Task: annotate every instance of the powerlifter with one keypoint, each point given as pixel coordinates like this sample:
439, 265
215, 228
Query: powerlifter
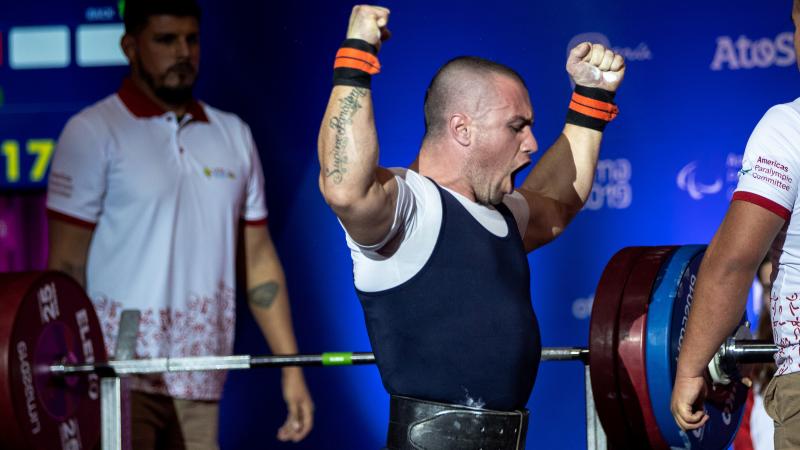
439, 249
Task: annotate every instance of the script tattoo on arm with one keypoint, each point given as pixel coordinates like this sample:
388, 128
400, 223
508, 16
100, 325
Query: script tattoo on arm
263, 295
348, 106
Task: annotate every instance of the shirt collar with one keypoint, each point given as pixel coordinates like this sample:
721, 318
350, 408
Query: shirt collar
142, 106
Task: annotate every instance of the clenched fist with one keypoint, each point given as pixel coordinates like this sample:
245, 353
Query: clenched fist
688, 396
593, 65
368, 23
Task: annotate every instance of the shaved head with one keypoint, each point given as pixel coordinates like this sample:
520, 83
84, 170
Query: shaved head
462, 85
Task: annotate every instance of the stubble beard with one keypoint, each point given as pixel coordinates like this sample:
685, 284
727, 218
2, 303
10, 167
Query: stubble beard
482, 188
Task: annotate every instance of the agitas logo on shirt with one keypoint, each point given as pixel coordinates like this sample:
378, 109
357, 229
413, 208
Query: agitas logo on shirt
219, 172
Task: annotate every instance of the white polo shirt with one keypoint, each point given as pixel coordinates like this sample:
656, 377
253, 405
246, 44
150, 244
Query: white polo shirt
164, 198
769, 178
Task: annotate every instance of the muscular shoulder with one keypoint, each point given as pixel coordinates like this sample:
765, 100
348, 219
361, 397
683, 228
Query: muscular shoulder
416, 225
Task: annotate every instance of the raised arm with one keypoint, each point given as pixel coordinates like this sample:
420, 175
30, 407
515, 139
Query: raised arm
362, 194
560, 183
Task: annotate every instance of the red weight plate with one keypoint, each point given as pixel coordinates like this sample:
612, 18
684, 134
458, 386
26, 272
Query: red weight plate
632, 347
602, 347
46, 318
12, 290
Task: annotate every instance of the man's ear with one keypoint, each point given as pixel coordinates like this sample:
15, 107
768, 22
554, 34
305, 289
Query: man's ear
128, 44
460, 129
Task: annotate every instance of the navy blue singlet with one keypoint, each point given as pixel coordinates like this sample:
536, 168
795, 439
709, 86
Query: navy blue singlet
462, 330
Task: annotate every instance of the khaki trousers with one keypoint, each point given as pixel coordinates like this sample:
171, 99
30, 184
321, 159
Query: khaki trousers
782, 402
159, 422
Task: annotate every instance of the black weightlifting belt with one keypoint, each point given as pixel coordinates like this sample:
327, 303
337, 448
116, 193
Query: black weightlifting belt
423, 425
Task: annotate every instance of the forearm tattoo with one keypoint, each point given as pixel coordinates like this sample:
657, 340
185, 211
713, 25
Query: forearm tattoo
348, 106
263, 295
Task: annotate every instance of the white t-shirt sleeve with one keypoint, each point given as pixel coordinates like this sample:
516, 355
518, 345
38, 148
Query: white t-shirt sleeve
77, 181
771, 167
412, 236
519, 208
405, 214
255, 204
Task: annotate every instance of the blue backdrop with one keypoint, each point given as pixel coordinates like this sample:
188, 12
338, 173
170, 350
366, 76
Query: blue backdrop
699, 76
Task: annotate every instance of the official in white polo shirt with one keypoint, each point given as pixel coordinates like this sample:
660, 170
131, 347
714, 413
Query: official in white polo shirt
148, 192
761, 220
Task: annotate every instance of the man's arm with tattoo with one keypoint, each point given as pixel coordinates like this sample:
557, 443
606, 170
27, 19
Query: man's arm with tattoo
361, 193
68, 249
266, 290
268, 299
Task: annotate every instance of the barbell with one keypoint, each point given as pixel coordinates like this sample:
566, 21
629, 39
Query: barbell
52, 357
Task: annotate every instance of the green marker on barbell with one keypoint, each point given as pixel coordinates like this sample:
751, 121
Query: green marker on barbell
337, 359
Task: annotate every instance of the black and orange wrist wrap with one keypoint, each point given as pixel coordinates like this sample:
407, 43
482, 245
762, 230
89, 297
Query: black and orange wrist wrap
356, 62
591, 108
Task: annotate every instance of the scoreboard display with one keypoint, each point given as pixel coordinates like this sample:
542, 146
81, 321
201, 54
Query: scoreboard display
55, 59
25, 164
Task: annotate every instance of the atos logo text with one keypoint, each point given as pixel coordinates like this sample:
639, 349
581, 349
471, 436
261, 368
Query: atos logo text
745, 53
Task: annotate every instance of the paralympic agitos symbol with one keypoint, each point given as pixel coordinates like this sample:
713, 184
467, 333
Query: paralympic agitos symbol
687, 181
